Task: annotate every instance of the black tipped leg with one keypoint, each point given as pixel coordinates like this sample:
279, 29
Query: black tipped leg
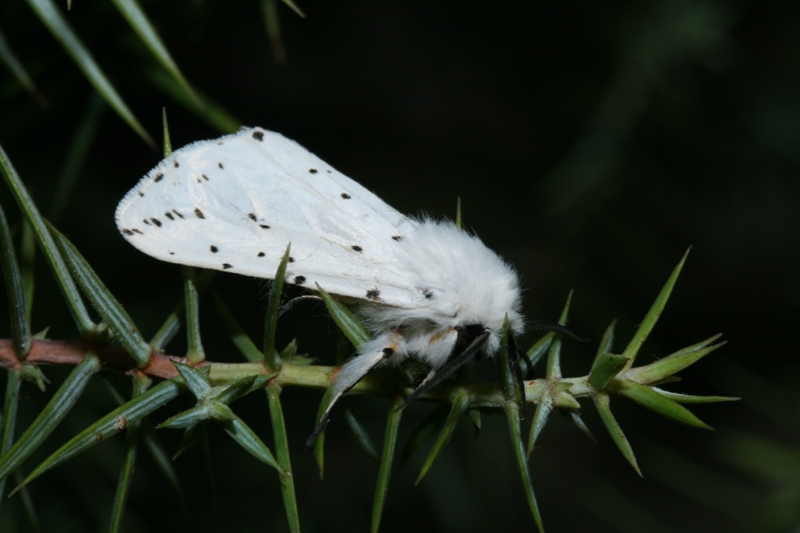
436, 376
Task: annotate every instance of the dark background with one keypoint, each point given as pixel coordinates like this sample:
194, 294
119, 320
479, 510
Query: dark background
591, 145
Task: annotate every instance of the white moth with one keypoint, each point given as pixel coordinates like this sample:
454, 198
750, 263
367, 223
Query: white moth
420, 286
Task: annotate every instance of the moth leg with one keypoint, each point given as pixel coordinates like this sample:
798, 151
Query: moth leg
291, 303
350, 374
436, 375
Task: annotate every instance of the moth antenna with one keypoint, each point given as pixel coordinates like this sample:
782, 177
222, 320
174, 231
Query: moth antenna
294, 301
363, 368
436, 376
544, 325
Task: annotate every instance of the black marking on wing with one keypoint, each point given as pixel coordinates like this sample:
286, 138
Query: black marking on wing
252, 216
214, 249
158, 177
264, 226
312, 170
258, 135
397, 238
345, 196
155, 221
261, 254
357, 248
174, 211
199, 213
169, 215
226, 266
299, 280
177, 164
127, 232
373, 294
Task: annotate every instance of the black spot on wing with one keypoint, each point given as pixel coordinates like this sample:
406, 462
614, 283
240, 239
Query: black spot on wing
141, 194
155, 221
291, 259
258, 135
179, 215
427, 293
252, 216
220, 165
214, 249
205, 177
264, 226
137, 231
146, 221
158, 177
171, 253
169, 215
261, 254
345, 196
199, 213
176, 164
312, 170
299, 280
226, 266
357, 248
373, 294
127, 232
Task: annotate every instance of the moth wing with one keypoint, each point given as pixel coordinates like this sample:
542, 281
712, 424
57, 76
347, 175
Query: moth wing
236, 202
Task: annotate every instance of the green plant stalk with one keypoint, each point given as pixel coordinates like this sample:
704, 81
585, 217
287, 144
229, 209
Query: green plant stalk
389, 445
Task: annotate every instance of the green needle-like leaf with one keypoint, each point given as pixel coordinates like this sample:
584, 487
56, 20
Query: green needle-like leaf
673, 363
580, 424
647, 397
188, 418
319, 444
540, 348
346, 320
654, 313
104, 302
603, 404
424, 431
459, 405
10, 59
688, 398
540, 418
284, 458
140, 385
194, 352
190, 437
172, 323
111, 424
80, 146
515, 433
212, 113
195, 378
65, 282
247, 439
606, 343
51, 17
606, 368
361, 435
9, 419
20, 332
271, 357
51, 416
387, 455
138, 20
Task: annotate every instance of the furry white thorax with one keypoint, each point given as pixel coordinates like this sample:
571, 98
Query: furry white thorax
461, 283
